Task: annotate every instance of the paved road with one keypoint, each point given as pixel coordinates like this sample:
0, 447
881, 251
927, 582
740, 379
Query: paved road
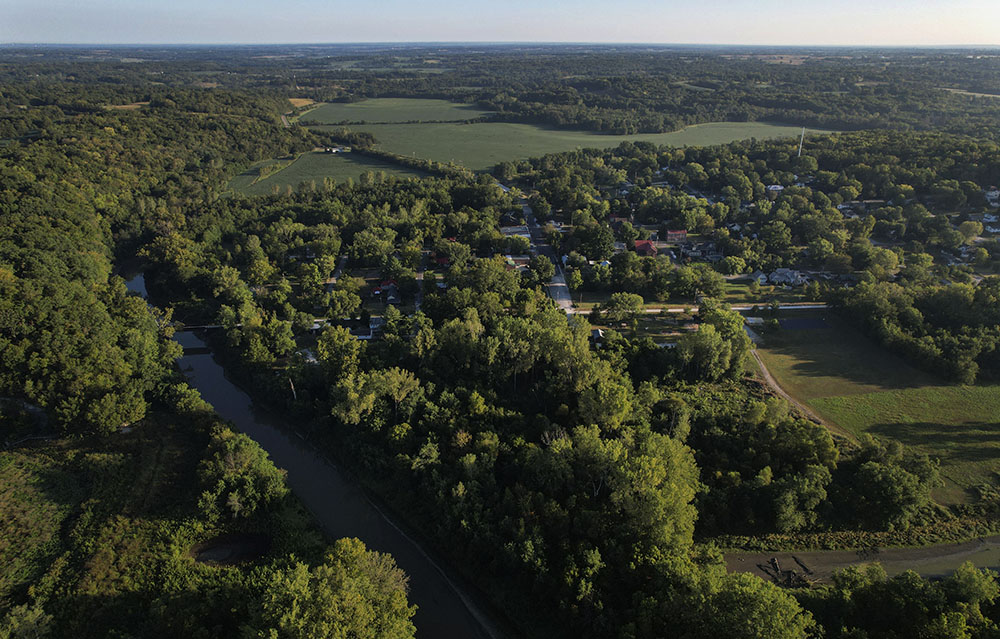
340, 268
737, 307
418, 299
930, 561
557, 288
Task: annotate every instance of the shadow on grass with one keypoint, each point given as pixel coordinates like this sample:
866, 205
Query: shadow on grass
842, 352
971, 441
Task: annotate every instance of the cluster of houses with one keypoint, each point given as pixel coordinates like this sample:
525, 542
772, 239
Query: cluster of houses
337, 149
990, 221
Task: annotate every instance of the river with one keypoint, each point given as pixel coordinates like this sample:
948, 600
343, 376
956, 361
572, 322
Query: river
338, 503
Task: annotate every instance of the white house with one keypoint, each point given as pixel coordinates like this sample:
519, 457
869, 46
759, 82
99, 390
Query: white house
787, 276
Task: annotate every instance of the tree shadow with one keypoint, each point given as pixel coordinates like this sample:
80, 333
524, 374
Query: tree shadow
855, 358
970, 441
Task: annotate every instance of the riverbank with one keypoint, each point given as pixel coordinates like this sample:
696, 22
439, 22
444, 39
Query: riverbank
338, 502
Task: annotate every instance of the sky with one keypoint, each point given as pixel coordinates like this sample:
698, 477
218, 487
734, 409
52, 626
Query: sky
754, 22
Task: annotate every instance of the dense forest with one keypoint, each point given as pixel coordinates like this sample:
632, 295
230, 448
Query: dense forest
583, 484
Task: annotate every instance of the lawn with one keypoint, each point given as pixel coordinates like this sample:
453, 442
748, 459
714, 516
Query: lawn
480, 146
854, 383
738, 292
316, 166
395, 110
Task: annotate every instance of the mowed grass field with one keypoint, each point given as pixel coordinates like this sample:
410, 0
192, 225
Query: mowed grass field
394, 110
482, 145
315, 166
854, 383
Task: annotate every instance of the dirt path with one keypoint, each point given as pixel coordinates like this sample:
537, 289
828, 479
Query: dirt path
805, 410
819, 565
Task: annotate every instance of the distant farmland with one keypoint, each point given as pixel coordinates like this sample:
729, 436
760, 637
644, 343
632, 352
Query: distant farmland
851, 381
480, 146
395, 110
315, 166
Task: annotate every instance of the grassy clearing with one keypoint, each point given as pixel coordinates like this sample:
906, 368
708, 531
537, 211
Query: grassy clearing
135, 106
738, 292
300, 102
480, 146
852, 382
395, 110
244, 181
101, 531
316, 166
36, 496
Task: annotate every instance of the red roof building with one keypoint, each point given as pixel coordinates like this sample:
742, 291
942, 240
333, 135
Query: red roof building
645, 247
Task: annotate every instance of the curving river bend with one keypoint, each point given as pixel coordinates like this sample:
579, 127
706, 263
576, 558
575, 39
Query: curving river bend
339, 505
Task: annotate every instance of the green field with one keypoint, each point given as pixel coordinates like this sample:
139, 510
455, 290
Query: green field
480, 146
394, 110
854, 383
316, 166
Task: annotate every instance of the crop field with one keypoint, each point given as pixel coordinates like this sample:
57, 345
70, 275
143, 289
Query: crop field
395, 110
854, 383
316, 166
480, 146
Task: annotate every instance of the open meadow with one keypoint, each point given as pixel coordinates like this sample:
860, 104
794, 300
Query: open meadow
482, 145
315, 166
857, 385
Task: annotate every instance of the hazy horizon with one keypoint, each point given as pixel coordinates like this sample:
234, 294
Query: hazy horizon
812, 23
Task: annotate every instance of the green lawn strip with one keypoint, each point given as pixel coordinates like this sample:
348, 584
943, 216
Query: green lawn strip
738, 292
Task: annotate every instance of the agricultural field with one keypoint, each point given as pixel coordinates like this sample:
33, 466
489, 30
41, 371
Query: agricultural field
394, 110
852, 382
480, 146
315, 166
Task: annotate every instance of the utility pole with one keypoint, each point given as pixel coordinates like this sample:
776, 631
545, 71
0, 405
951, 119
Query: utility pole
801, 140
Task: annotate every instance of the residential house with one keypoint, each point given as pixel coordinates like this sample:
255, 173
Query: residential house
786, 276
645, 248
388, 292
993, 197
